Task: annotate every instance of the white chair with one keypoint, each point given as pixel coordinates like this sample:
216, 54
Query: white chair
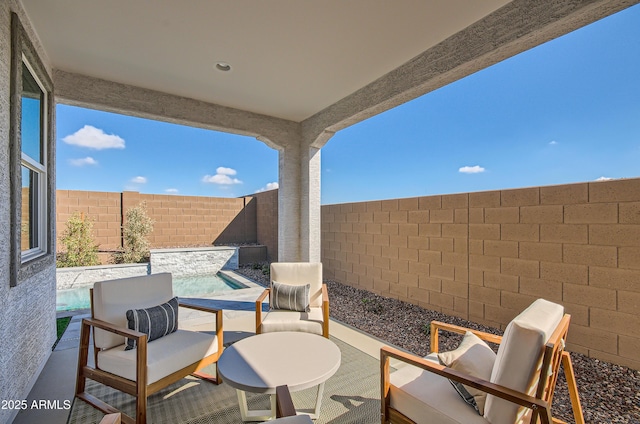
316, 320
519, 382
150, 366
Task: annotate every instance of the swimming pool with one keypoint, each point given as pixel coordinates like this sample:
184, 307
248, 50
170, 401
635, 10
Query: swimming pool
183, 286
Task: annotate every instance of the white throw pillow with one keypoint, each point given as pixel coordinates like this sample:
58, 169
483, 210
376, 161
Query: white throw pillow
474, 358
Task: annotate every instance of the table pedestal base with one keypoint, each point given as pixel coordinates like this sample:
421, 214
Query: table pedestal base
270, 414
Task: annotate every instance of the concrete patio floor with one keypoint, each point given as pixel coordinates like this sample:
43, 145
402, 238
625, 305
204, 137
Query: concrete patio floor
57, 381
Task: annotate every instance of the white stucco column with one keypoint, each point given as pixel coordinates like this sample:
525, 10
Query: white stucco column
289, 210
299, 200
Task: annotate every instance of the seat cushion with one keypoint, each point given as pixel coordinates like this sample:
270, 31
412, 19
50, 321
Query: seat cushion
281, 320
426, 397
164, 356
519, 358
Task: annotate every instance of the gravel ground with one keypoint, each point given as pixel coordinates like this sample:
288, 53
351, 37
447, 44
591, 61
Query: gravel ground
609, 393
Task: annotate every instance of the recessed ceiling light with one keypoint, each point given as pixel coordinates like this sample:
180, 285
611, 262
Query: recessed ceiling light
223, 66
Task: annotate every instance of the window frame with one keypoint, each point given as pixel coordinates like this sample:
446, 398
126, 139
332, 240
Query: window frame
27, 263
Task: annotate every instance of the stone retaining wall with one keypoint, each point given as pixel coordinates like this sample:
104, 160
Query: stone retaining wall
69, 278
208, 260
188, 261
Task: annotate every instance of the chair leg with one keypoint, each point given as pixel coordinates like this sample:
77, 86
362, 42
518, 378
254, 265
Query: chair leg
573, 388
83, 356
215, 379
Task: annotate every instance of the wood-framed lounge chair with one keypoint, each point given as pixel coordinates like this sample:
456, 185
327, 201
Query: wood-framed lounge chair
150, 366
315, 320
521, 386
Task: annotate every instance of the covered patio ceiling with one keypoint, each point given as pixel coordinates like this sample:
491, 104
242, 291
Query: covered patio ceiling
326, 64
299, 70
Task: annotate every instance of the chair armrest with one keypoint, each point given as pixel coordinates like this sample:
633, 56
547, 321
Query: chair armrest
284, 403
439, 325
107, 326
141, 344
259, 301
325, 311
542, 407
186, 304
218, 314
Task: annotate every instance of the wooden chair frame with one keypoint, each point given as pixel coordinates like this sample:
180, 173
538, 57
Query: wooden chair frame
135, 388
325, 310
553, 355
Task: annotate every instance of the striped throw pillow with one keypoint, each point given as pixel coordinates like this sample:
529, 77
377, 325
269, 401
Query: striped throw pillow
155, 322
290, 297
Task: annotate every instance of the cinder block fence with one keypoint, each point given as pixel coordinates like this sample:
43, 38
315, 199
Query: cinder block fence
179, 221
486, 256
482, 256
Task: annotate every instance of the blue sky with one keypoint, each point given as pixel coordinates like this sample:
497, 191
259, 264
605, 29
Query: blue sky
567, 111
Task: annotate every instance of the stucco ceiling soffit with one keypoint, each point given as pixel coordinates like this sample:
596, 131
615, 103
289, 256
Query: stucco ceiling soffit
95, 93
512, 29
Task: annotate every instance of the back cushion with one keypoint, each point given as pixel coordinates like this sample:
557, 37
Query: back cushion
113, 298
300, 273
518, 362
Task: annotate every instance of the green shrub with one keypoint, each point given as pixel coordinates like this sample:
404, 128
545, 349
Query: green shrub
138, 225
80, 250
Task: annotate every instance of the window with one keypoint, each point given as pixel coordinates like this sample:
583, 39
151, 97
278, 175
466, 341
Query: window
31, 159
33, 166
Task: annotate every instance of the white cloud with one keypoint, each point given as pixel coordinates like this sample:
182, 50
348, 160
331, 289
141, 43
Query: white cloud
226, 171
171, 190
139, 180
222, 177
471, 169
553, 143
269, 186
83, 161
604, 179
94, 138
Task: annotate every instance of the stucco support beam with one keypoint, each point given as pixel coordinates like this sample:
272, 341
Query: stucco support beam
299, 201
95, 93
512, 29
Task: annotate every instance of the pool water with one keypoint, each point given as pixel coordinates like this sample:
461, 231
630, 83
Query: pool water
183, 286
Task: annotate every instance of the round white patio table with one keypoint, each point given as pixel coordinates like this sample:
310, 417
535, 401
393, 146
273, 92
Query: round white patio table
260, 363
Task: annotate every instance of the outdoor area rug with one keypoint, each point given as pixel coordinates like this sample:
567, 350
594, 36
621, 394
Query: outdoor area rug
352, 395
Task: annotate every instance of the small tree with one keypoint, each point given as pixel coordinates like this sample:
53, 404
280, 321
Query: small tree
80, 250
137, 227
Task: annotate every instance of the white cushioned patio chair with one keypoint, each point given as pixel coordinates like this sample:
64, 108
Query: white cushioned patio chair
124, 358
514, 386
298, 300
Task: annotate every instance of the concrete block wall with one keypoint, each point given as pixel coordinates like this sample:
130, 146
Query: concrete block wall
193, 220
103, 208
486, 256
179, 220
267, 222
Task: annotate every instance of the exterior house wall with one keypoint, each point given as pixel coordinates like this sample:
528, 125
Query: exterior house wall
27, 311
486, 256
